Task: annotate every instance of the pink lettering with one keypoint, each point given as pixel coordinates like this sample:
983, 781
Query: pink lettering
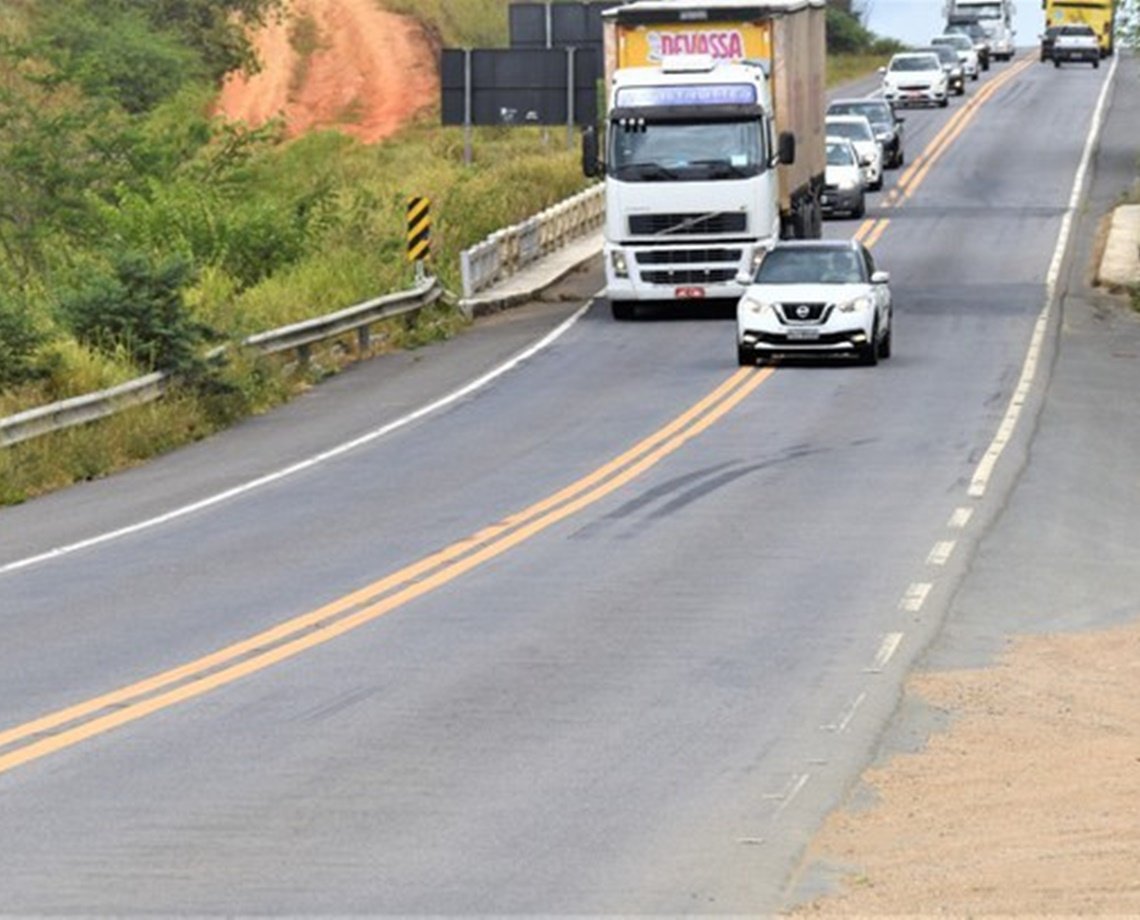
727, 45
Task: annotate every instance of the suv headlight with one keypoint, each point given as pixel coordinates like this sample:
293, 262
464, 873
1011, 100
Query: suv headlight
860, 304
755, 306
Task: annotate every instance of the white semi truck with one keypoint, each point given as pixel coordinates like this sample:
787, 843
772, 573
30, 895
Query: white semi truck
995, 16
714, 145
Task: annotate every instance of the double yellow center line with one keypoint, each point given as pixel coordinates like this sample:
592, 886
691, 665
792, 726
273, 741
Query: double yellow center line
63, 728
913, 176
66, 727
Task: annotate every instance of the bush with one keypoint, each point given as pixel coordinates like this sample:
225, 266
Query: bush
138, 308
20, 338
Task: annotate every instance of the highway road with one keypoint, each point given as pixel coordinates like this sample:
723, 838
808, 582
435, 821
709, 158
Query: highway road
563, 616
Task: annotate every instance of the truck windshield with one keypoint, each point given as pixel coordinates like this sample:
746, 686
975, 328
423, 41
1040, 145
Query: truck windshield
981, 10
693, 152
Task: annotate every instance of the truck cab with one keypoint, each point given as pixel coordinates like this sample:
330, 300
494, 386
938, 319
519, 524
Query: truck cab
691, 198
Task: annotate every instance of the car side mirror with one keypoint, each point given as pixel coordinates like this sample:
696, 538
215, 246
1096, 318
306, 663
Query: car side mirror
591, 164
787, 148
881, 278
744, 278
865, 161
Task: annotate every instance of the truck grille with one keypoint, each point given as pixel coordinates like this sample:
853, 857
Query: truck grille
688, 256
688, 224
690, 276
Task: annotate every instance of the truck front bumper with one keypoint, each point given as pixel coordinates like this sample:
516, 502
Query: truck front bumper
678, 271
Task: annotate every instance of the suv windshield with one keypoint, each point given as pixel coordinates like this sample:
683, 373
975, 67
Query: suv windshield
811, 266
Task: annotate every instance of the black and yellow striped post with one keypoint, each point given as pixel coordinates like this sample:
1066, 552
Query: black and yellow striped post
419, 231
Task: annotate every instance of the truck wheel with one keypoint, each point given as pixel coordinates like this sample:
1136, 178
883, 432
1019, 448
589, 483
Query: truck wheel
622, 310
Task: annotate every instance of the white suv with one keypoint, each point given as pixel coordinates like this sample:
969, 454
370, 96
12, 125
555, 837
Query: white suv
915, 77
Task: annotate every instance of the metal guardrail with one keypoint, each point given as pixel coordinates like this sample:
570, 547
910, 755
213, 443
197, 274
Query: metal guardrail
507, 251
300, 336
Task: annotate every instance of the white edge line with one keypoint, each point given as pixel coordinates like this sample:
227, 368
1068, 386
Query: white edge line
309, 463
985, 468
890, 645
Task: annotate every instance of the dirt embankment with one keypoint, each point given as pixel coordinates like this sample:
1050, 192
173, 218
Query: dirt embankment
344, 64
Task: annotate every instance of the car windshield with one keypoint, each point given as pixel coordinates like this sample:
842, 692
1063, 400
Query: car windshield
839, 155
810, 266
877, 113
945, 55
853, 130
916, 63
954, 41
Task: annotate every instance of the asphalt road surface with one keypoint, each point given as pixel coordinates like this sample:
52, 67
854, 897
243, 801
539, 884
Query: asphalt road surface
611, 632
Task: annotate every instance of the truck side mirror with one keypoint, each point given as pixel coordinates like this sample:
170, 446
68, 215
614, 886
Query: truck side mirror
786, 150
591, 165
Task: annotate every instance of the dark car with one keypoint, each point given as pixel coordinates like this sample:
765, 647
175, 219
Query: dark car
955, 72
888, 127
1047, 40
979, 36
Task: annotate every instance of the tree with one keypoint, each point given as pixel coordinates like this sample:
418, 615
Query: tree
139, 308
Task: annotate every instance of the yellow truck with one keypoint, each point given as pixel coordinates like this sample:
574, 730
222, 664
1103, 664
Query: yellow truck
714, 144
1099, 14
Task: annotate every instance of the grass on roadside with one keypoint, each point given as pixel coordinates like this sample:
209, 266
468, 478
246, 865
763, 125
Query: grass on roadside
359, 253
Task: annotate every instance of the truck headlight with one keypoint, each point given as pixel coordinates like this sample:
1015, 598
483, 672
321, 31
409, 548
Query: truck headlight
619, 264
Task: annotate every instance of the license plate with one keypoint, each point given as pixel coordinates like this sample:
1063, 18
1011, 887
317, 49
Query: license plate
689, 293
803, 335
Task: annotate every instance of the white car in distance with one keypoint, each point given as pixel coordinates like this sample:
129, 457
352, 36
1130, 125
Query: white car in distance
915, 77
858, 130
815, 298
964, 48
843, 180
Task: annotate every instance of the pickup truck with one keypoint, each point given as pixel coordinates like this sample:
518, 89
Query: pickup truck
1075, 43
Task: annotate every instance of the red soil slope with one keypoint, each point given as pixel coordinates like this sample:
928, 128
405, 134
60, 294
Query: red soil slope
371, 72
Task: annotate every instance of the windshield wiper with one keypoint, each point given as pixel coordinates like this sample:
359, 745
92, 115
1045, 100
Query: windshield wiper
647, 170
718, 169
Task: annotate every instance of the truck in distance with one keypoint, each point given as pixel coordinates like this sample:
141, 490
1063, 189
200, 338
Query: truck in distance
1100, 15
995, 16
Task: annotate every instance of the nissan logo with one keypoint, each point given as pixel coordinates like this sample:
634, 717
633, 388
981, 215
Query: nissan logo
803, 311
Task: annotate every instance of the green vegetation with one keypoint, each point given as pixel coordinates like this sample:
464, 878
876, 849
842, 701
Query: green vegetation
136, 230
